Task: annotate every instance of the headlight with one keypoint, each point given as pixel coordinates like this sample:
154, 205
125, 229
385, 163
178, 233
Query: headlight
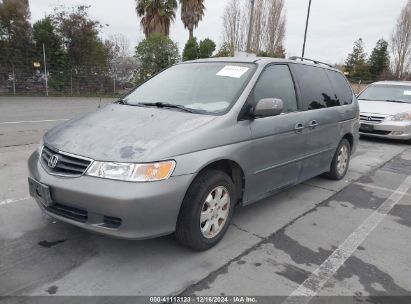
401, 117
132, 172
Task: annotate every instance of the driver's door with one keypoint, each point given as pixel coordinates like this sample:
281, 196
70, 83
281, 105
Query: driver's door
279, 142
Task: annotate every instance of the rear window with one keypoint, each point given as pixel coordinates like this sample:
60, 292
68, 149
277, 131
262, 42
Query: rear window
341, 87
315, 88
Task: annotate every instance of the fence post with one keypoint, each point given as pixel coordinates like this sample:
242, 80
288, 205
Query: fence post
14, 81
45, 70
71, 81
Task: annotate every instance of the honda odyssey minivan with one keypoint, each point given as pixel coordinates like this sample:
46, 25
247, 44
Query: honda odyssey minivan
182, 150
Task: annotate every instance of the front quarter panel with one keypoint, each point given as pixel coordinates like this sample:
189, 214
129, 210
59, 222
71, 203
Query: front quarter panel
237, 150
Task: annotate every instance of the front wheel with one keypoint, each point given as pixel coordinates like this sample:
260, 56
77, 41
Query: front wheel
206, 210
341, 161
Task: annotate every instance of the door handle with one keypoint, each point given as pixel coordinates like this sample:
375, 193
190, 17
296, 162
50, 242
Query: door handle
299, 128
313, 124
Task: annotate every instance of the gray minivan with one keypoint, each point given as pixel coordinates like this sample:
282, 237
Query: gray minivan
182, 150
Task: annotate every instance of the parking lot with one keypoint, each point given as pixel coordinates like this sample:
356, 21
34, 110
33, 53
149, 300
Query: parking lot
346, 238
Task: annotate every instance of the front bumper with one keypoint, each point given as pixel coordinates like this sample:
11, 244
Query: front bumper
387, 129
145, 210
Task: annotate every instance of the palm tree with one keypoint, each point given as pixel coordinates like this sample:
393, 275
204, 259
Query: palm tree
156, 15
192, 11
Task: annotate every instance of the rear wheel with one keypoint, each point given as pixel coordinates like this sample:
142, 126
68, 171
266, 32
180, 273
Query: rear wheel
341, 161
206, 210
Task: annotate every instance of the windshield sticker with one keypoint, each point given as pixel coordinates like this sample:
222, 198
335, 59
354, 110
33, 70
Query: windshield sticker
408, 93
232, 71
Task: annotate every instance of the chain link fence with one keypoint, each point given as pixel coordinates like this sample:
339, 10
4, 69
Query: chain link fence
63, 82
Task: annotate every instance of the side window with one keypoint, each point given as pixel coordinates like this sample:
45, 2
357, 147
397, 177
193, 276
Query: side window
276, 82
315, 87
341, 87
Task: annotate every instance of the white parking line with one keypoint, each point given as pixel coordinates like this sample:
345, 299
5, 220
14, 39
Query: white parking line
381, 188
315, 282
31, 121
11, 200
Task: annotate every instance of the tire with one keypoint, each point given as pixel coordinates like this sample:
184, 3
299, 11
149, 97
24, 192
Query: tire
197, 202
337, 172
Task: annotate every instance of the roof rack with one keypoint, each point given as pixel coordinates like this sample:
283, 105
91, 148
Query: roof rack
313, 61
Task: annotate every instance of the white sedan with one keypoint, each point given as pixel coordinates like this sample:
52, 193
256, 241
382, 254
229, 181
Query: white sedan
385, 110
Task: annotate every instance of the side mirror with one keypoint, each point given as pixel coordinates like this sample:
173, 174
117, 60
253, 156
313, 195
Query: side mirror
268, 107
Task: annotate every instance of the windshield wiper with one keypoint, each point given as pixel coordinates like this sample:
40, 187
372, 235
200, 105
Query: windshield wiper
166, 105
121, 101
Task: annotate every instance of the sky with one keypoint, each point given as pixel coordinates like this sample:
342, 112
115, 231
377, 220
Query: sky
334, 24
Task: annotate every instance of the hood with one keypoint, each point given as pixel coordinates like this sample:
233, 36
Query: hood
126, 133
383, 107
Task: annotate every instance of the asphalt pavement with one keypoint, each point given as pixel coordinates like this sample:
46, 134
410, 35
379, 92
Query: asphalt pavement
320, 238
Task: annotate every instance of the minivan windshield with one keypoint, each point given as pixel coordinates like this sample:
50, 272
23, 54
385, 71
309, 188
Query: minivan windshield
393, 93
209, 87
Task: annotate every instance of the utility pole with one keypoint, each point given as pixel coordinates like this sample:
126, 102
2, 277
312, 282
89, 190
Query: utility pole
250, 27
45, 70
306, 28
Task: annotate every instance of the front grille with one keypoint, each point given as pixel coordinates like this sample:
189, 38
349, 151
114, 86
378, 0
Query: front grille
72, 213
373, 118
376, 132
67, 165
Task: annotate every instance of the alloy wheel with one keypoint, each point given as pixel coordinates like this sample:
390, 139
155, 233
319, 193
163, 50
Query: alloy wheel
215, 211
342, 160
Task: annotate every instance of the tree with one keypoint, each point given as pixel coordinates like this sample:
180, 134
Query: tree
224, 51
80, 36
86, 52
121, 43
278, 54
191, 50
275, 33
122, 66
267, 28
15, 34
192, 11
379, 60
232, 31
154, 54
356, 63
206, 48
401, 42
259, 26
45, 33
156, 15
